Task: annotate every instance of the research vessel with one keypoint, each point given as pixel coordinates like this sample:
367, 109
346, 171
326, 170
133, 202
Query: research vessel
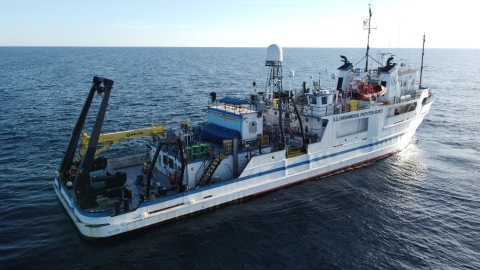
245, 147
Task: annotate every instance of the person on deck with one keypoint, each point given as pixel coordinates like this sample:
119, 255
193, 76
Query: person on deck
145, 169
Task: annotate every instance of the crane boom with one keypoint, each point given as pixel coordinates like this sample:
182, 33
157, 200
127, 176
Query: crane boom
115, 137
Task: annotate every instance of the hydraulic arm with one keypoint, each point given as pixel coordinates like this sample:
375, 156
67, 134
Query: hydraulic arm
113, 138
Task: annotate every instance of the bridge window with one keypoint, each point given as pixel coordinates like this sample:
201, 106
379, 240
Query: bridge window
324, 100
165, 159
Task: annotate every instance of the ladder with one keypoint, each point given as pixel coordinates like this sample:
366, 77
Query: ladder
407, 108
208, 173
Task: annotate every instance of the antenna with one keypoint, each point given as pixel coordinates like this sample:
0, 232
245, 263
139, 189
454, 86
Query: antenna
368, 39
290, 75
421, 66
319, 77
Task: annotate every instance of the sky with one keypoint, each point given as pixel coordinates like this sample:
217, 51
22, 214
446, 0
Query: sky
235, 23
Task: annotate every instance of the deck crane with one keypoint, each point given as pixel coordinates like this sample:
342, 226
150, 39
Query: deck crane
115, 137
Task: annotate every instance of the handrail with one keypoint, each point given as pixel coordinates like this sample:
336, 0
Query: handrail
206, 161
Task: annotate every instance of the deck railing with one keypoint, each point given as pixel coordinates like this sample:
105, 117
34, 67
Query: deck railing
129, 160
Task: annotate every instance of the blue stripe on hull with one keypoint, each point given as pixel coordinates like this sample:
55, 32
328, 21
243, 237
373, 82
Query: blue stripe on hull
260, 174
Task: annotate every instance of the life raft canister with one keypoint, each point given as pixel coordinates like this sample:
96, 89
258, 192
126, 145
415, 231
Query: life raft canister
73, 171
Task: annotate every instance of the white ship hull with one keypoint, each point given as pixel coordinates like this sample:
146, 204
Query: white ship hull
263, 173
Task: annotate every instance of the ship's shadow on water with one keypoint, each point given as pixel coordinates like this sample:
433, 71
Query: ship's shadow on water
418, 208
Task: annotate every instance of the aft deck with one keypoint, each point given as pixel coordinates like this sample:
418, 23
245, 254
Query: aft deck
135, 188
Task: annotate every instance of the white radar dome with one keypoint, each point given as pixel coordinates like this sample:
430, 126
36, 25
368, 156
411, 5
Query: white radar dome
274, 53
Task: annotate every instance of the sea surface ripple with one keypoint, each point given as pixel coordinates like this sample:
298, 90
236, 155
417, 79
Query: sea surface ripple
417, 209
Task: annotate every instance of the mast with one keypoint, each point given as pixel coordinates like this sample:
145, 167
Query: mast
274, 60
421, 66
368, 39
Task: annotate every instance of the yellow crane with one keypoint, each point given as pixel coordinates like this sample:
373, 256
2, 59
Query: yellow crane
113, 138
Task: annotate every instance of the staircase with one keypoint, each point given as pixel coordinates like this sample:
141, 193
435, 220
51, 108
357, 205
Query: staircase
407, 108
207, 175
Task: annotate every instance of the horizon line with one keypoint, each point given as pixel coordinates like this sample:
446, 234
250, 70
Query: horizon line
244, 47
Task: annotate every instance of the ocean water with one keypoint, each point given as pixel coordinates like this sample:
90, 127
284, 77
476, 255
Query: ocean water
417, 209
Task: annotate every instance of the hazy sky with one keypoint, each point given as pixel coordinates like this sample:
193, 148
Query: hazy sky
235, 23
